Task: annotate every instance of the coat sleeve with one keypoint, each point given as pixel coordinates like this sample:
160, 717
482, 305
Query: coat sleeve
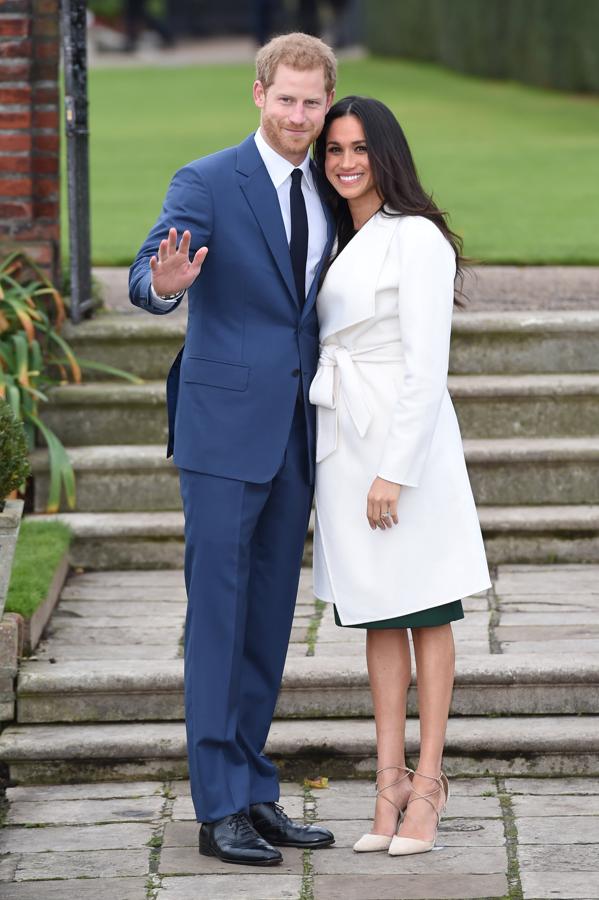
425, 305
187, 205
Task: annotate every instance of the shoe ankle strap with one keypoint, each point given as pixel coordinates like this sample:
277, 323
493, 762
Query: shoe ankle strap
379, 790
416, 795
405, 769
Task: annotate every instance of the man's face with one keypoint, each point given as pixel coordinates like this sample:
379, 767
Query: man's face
293, 110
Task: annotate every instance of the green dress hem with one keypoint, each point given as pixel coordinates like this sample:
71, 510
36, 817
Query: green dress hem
436, 615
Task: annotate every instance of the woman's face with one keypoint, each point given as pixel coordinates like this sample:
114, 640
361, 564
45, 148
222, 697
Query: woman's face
346, 162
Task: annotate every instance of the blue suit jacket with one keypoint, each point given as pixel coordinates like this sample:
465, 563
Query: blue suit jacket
232, 390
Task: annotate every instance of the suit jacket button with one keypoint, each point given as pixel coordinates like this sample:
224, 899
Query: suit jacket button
295, 372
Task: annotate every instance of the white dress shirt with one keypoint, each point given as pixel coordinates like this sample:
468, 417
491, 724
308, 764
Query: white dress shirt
279, 170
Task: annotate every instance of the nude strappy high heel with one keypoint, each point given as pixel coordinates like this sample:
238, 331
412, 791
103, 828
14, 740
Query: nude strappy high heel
403, 846
370, 843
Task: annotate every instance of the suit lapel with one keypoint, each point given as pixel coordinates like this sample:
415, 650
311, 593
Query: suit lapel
262, 197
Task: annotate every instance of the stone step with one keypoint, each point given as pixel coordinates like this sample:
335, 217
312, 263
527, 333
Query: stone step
313, 687
500, 342
523, 745
488, 406
513, 534
497, 288
511, 471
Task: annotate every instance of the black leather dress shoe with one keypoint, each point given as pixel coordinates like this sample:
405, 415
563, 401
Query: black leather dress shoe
234, 839
271, 821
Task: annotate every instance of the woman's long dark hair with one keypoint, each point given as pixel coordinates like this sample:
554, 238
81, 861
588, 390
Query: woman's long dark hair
394, 173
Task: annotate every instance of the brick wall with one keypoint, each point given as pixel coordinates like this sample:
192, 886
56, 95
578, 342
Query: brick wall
29, 129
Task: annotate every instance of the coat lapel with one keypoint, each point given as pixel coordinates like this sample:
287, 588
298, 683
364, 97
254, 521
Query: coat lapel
348, 293
262, 197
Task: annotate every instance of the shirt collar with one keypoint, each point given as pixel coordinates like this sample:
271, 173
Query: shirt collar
279, 168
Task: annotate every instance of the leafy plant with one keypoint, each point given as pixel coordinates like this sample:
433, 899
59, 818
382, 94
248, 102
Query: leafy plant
14, 465
34, 357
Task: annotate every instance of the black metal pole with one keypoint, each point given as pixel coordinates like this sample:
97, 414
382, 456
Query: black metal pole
74, 37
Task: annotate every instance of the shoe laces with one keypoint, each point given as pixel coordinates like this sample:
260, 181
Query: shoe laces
281, 814
242, 825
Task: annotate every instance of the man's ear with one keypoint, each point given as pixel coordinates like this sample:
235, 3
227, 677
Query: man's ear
330, 98
259, 94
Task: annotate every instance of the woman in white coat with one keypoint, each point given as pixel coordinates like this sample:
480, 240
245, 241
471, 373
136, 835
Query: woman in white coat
397, 542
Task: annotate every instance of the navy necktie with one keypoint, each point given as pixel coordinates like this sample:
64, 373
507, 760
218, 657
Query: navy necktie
298, 245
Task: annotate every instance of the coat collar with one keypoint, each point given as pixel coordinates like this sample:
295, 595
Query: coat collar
348, 293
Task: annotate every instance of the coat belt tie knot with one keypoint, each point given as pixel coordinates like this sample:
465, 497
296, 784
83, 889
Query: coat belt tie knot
337, 373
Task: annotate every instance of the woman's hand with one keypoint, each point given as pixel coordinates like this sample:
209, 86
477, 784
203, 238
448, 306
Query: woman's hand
382, 504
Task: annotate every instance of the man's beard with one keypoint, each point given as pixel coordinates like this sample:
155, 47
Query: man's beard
281, 141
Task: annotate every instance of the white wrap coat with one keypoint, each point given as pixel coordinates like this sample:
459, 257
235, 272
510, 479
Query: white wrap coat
383, 408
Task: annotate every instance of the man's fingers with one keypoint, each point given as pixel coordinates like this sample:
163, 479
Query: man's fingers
185, 242
153, 263
172, 241
199, 258
163, 251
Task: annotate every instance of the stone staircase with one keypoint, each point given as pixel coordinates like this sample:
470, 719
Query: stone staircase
526, 390
103, 698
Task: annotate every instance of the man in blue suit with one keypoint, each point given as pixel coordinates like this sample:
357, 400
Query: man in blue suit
252, 221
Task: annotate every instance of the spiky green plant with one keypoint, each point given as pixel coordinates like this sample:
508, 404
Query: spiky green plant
34, 357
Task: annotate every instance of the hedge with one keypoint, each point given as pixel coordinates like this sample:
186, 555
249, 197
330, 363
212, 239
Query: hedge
549, 43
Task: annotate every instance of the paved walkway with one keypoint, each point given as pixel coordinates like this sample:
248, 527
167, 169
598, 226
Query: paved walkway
500, 838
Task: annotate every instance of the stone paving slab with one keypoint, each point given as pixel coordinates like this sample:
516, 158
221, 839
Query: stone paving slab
63, 650
65, 837
105, 864
123, 593
146, 635
187, 861
443, 860
77, 889
557, 858
152, 579
153, 609
226, 887
96, 791
362, 807
342, 788
81, 812
557, 786
555, 828
548, 617
572, 646
68, 624
556, 806
564, 885
542, 603
409, 887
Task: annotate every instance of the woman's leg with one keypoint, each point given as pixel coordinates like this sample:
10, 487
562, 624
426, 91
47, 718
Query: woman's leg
389, 671
434, 650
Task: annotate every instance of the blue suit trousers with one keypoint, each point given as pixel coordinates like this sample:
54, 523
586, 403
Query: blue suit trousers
243, 552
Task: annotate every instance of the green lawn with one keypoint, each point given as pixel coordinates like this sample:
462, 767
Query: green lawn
40, 547
517, 167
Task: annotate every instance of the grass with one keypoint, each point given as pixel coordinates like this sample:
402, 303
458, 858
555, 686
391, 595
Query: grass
39, 549
516, 166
